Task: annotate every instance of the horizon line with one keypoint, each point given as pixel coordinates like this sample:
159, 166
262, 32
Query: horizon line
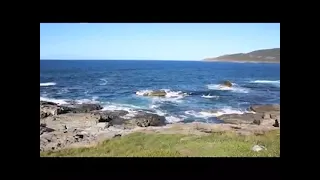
114, 60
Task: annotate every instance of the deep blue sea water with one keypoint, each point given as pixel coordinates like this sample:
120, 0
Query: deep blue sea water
193, 87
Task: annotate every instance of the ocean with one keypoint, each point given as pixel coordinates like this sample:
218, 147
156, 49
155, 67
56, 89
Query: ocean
192, 86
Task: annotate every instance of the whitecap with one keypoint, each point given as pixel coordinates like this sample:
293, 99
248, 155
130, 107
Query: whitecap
265, 81
225, 110
57, 101
131, 109
117, 106
234, 88
219, 112
104, 82
204, 115
210, 97
88, 101
276, 82
173, 119
48, 84
171, 96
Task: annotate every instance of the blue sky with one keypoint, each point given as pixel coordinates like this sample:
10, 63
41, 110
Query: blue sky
154, 41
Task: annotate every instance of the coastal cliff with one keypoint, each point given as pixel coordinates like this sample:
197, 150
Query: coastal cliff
263, 55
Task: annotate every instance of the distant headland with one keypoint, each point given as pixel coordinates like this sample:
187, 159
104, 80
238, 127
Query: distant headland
263, 55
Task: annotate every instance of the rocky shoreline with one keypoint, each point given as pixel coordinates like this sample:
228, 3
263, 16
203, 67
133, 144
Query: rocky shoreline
80, 125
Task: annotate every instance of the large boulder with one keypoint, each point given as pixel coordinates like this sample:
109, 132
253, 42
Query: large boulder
226, 83
148, 119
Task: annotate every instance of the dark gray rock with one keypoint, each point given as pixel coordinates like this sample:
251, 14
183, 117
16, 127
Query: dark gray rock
147, 119
48, 103
81, 108
276, 123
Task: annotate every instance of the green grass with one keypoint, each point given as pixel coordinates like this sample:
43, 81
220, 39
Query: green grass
168, 145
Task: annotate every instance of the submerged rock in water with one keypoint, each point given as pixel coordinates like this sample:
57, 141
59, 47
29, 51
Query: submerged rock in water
226, 83
156, 93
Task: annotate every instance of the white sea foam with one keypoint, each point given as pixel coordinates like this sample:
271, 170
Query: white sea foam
117, 106
265, 81
104, 82
130, 115
173, 119
88, 101
226, 110
131, 109
234, 88
203, 115
134, 110
142, 92
276, 83
57, 101
210, 97
172, 96
68, 101
48, 84
220, 112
